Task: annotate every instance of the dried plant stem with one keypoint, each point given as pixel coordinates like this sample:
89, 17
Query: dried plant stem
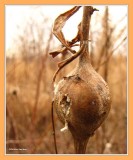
43, 63
53, 126
37, 95
85, 27
111, 53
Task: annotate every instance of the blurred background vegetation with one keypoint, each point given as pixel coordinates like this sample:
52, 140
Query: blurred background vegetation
29, 91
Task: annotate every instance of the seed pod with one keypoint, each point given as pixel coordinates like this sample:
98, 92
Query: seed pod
82, 99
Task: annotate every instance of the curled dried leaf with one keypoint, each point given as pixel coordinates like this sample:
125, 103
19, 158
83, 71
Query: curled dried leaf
59, 24
78, 36
71, 43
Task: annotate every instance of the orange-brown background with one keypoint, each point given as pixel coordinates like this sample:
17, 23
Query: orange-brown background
130, 148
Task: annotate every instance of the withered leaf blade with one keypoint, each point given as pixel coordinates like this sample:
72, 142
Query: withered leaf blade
59, 24
78, 36
55, 53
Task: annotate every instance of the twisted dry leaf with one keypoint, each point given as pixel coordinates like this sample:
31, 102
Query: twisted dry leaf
59, 24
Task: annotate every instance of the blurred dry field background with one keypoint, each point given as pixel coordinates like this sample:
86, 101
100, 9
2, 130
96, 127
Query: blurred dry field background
29, 90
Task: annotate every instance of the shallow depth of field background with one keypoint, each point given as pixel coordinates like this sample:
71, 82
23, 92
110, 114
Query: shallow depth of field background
29, 91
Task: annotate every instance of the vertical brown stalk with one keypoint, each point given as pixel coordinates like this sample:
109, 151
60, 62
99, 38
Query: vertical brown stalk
106, 43
37, 95
85, 27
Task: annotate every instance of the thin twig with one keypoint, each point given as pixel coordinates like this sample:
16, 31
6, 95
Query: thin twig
53, 125
111, 53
